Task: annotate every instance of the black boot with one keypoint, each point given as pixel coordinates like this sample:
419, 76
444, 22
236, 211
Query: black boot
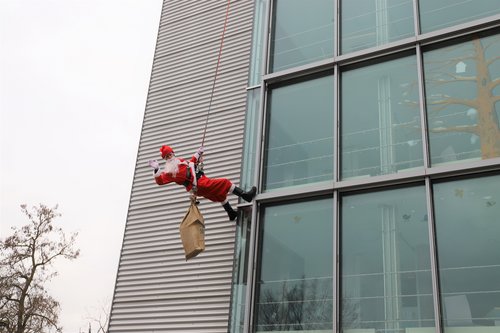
230, 211
247, 196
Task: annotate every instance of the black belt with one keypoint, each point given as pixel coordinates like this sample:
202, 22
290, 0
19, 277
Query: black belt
187, 182
188, 177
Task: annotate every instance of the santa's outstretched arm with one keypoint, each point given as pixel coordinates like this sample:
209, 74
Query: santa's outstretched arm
198, 154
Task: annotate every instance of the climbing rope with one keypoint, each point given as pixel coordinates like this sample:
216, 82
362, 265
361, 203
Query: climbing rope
216, 72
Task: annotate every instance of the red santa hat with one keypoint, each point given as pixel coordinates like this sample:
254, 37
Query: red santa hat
165, 150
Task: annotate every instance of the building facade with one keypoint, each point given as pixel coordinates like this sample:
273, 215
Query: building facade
371, 128
156, 289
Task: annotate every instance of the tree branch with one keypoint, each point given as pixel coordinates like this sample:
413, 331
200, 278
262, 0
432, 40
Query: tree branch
450, 61
460, 77
464, 128
23, 299
454, 101
493, 84
493, 42
492, 60
47, 319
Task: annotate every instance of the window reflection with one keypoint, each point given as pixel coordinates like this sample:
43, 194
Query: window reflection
295, 284
439, 14
462, 95
380, 22
468, 244
381, 132
385, 262
299, 147
302, 33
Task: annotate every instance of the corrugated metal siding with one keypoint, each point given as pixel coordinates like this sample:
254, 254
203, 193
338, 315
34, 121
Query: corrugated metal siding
156, 289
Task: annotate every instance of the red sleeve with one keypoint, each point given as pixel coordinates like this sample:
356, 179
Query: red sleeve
162, 179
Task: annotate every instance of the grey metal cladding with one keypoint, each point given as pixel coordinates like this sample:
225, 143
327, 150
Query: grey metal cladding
156, 289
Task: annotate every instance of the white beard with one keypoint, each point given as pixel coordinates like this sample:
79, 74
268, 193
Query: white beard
172, 166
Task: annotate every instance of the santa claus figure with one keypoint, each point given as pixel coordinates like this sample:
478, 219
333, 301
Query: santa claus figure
182, 172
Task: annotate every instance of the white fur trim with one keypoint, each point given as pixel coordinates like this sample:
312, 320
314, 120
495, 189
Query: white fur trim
231, 189
191, 166
224, 202
157, 173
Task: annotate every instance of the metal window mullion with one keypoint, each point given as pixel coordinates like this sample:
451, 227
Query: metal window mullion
433, 253
423, 113
336, 262
336, 27
253, 253
336, 124
267, 38
416, 17
263, 99
252, 262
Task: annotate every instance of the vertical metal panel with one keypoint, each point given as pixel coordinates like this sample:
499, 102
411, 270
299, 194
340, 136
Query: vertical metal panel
336, 262
422, 106
436, 293
156, 289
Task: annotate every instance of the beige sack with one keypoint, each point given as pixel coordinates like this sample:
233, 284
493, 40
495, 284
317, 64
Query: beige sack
192, 229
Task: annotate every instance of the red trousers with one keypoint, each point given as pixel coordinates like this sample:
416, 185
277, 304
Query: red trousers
213, 189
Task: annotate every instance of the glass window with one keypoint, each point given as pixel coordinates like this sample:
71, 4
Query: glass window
250, 141
295, 280
439, 14
462, 98
385, 262
302, 33
368, 23
467, 214
299, 145
239, 285
380, 119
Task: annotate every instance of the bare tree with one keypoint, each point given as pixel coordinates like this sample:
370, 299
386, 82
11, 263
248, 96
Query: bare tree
26, 259
446, 82
304, 304
487, 125
100, 317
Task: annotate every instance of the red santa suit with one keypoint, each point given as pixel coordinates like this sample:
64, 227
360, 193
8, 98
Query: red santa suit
179, 171
213, 189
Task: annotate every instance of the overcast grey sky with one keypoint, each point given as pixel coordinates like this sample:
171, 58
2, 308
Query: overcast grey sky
74, 76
